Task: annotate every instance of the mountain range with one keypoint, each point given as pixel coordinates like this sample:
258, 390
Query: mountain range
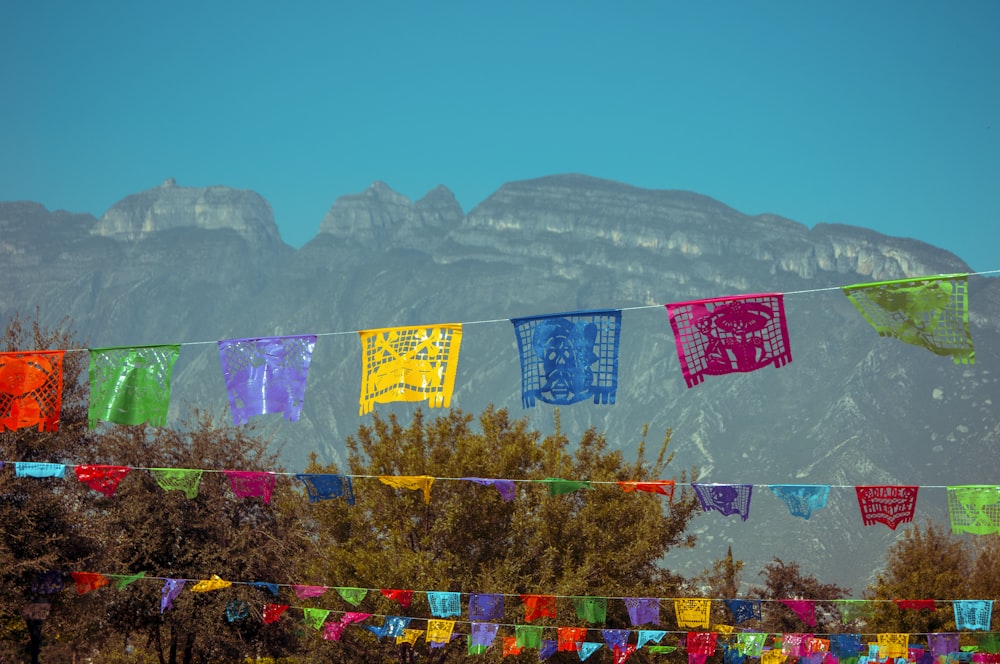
193, 265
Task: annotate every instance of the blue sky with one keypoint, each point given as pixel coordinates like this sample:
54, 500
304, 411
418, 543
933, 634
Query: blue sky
878, 114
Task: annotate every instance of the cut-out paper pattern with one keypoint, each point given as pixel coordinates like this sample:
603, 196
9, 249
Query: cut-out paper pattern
734, 656
805, 609
486, 606
615, 638
750, 643
929, 312
727, 499
528, 636
439, 631
482, 636
304, 592
273, 612
649, 635
506, 488
560, 487
893, 645
662, 487
621, 654
326, 486
591, 609
587, 648
445, 604
236, 609
973, 614
249, 483
213, 583
974, 509
314, 617
352, 596
801, 499
402, 597
539, 606
396, 625
37, 469
744, 609
729, 334
570, 357
772, 656
701, 643
569, 638
131, 385
123, 580
642, 610
103, 479
87, 581
178, 479
942, 643
915, 604
692, 612
891, 505
410, 636
412, 482
31, 385
409, 364
351, 617
795, 645
266, 375
171, 589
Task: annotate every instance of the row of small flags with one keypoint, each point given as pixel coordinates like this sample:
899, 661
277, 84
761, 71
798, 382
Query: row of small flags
972, 509
565, 358
485, 608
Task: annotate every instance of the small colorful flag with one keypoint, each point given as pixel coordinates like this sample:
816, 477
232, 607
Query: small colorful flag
485, 606
37, 469
273, 612
642, 610
411, 482
266, 375
587, 648
974, 509
891, 505
527, 636
403, 597
893, 645
171, 589
213, 583
482, 636
591, 609
326, 486
805, 609
248, 483
352, 596
304, 592
801, 499
727, 499
744, 609
31, 386
692, 612
569, 638
409, 364
236, 609
729, 334
315, 617
649, 636
662, 487
87, 581
506, 488
973, 614
444, 604
570, 357
538, 606
932, 312
178, 479
103, 479
131, 385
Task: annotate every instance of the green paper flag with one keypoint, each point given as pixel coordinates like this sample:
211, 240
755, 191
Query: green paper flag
558, 487
315, 617
122, 580
974, 509
131, 385
528, 636
353, 596
178, 479
932, 312
591, 609
662, 650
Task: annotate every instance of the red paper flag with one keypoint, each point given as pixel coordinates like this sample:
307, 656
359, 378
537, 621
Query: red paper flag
273, 611
103, 479
538, 606
31, 389
891, 505
87, 581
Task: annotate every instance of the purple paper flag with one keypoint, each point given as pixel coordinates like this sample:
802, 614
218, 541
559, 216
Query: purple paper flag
729, 334
727, 499
171, 589
248, 483
642, 610
483, 634
484, 606
266, 375
505, 487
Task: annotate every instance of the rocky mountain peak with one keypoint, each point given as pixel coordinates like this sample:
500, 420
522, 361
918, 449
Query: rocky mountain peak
171, 206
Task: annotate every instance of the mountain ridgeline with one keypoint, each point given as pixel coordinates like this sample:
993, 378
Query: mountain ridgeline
194, 265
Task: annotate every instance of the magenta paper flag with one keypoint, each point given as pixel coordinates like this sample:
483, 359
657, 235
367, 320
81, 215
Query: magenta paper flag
248, 483
31, 385
131, 385
701, 643
805, 609
932, 312
409, 364
266, 375
727, 499
796, 645
729, 334
302, 592
103, 479
891, 505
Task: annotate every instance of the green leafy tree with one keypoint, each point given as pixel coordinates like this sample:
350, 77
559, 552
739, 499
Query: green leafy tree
597, 541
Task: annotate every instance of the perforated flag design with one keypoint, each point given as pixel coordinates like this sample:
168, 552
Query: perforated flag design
570, 357
326, 486
692, 612
973, 614
266, 375
727, 499
31, 389
131, 385
801, 499
893, 645
103, 479
974, 509
409, 364
891, 505
729, 334
929, 312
